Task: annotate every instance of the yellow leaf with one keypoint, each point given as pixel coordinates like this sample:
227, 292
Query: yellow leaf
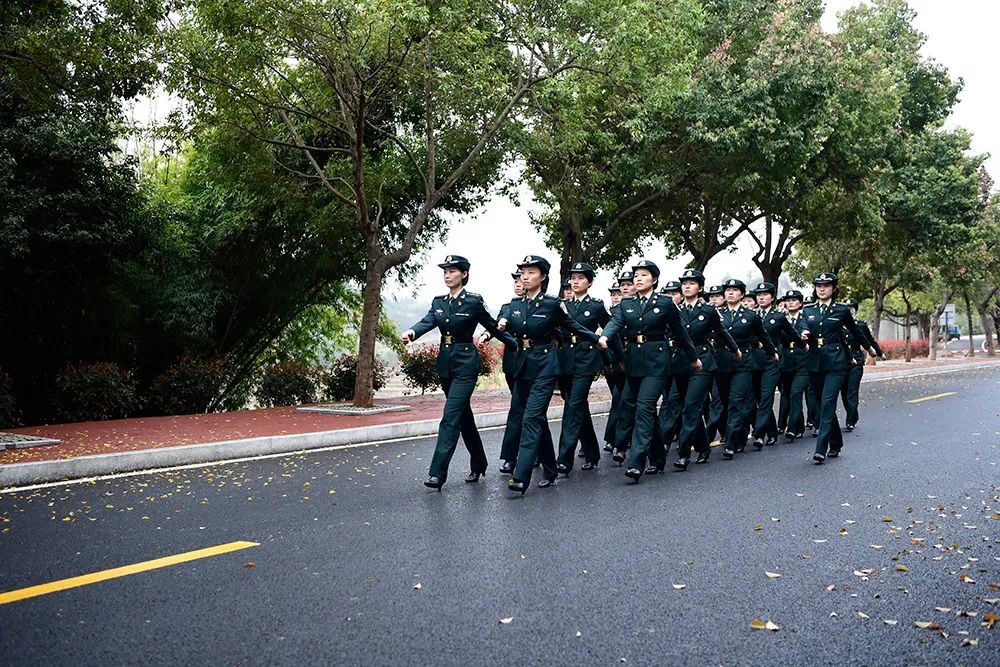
902, 568
759, 527
757, 624
966, 578
989, 620
887, 519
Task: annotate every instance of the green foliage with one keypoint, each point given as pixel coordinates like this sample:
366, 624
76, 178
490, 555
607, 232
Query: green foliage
419, 367
287, 383
9, 414
94, 392
338, 382
190, 386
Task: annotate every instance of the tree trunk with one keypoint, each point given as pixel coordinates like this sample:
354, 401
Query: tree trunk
907, 335
988, 330
932, 334
879, 309
572, 240
968, 313
372, 310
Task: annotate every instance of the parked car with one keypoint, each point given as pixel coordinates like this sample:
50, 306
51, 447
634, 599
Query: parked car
951, 331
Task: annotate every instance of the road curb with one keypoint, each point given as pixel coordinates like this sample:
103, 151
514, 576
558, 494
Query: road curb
39, 472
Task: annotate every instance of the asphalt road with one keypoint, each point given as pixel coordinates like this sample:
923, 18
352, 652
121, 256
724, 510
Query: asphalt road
592, 571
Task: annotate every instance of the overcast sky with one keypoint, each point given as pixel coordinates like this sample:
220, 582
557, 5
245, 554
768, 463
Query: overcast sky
961, 35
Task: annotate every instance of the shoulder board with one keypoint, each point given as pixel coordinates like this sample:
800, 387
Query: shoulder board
473, 295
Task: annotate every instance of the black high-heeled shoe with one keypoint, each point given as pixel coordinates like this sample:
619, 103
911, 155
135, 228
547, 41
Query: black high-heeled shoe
618, 457
588, 466
434, 483
703, 457
653, 469
681, 463
728, 454
634, 474
516, 486
473, 477
546, 483
562, 469
758, 444
507, 468
818, 458
608, 448
771, 441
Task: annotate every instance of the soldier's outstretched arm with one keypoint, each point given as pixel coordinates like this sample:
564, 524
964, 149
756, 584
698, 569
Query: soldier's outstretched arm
761, 333
571, 325
484, 318
426, 324
680, 331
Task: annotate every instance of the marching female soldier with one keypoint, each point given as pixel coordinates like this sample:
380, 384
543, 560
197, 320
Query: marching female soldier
643, 321
747, 330
850, 393
456, 315
616, 378
717, 414
828, 360
794, 373
668, 419
581, 362
535, 322
701, 321
767, 377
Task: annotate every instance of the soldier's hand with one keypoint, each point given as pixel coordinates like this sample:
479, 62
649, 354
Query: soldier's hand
602, 342
408, 336
776, 357
738, 355
805, 335
485, 336
502, 324
697, 364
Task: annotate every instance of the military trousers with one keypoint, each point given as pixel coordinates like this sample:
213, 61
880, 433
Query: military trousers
511, 443
670, 411
765, 424
850, 394
533, 397
616, 383
457, 419
693, 390
638, 416
826, 386
791, 417
812, 406
741, 403
577, 424
718, 407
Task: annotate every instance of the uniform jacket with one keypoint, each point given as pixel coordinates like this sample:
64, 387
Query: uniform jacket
782, 333
659, 318
828, 337
703, 323
509, 351
584, 357
746, 328
794, 353
458, 318
538, 325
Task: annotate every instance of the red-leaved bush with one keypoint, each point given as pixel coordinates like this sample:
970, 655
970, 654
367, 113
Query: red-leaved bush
896, 349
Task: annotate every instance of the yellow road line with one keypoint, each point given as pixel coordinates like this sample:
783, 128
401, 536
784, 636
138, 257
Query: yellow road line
125, 570
931, 398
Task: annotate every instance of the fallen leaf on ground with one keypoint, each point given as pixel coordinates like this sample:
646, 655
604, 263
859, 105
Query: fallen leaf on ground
772, 575
888, 519
757, 624
969, 642
989, 620
862, 614
819, 541
902, 568
578, 634
943, 610
759, 527
250, 564
889, 621
678, 587
507, 621
925, 625
417, 587
772, 626
875, 546
966, 578
831, 587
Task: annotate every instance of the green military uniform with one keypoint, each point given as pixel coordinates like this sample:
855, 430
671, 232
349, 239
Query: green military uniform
703, 322
794, 377
850, 394
747, 330
829, 358
458, 367
768, 374
536, 323
581, 361
643, 323
668, 418
615, 378
717, 412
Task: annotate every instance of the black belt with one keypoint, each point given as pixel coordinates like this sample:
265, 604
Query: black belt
528, 343
452, 340
643, 338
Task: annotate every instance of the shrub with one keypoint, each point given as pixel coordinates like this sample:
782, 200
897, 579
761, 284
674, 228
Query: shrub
287, 383
189, 386
92, 392
9, 416
896, 349
338, 382
490, 356
419, 367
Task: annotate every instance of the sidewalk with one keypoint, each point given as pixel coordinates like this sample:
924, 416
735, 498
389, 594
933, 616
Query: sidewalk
94, 448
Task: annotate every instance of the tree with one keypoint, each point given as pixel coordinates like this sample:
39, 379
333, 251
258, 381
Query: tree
397, 109
593, 155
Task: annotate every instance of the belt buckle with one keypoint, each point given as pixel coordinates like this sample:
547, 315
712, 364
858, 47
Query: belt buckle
640, 339
448, 340
573, 340
525, 344
819, 342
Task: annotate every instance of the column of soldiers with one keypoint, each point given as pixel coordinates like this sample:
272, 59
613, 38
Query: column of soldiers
683, 363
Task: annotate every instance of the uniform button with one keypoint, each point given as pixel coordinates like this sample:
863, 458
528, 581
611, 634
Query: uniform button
447, 320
